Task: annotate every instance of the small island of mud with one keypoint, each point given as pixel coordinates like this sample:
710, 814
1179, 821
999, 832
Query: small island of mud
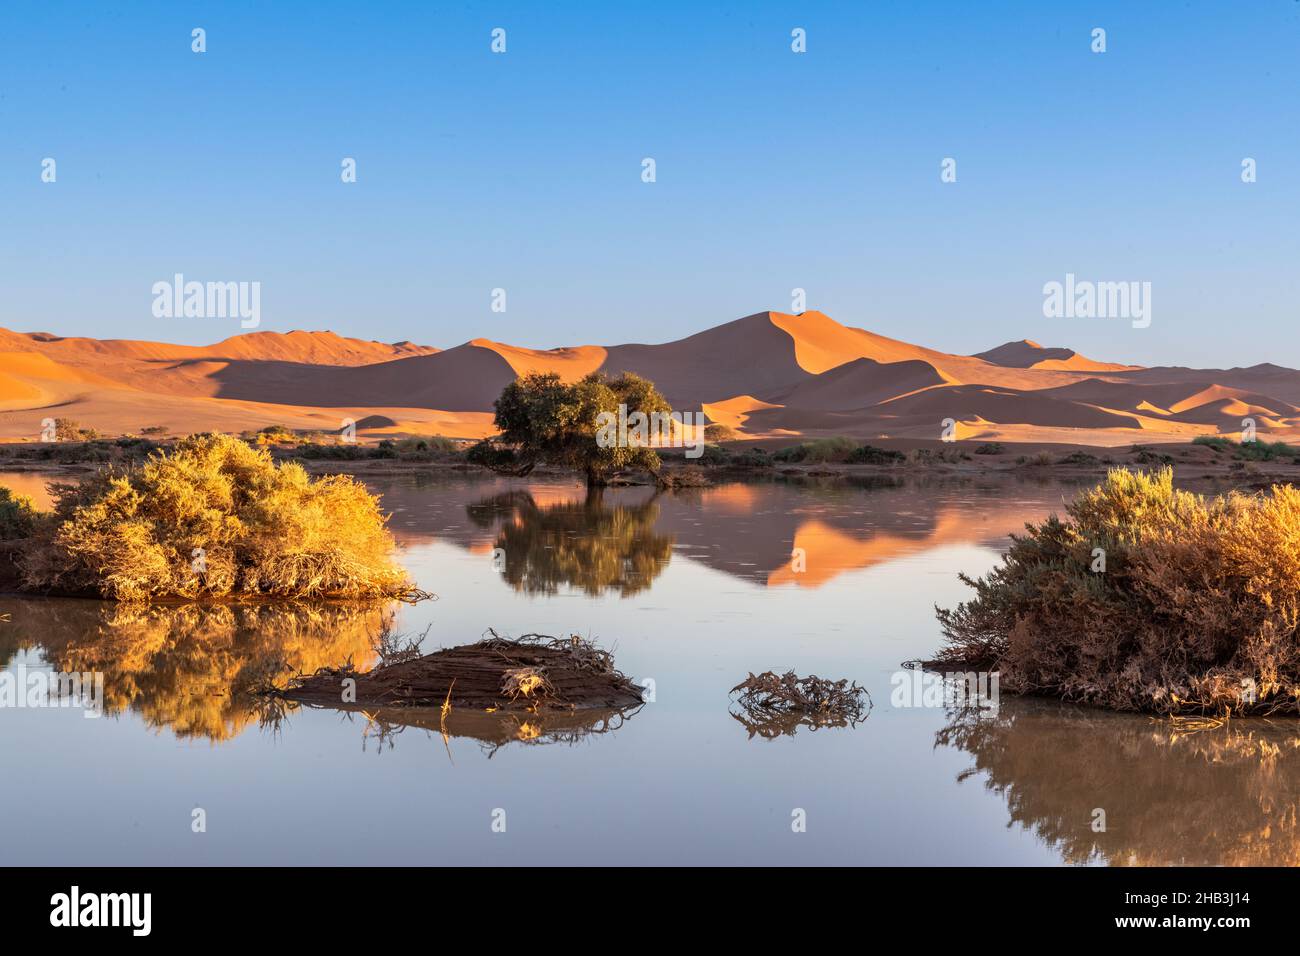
533, 674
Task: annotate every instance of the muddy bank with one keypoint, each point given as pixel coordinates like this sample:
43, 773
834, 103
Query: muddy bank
532, 674
1227, 463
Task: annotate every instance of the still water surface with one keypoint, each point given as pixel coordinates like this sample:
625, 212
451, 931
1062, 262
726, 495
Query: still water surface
692, 591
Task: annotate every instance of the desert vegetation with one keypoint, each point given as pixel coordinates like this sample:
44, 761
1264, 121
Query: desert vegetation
1250, 450
772, 705
196, 670
18, 518
541, 419
592, 544
213, 518
1145, 597
1209, 796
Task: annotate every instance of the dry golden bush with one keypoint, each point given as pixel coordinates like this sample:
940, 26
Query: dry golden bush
216, 518
1196, 610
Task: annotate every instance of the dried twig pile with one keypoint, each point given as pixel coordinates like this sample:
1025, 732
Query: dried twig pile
532, 673
770, 704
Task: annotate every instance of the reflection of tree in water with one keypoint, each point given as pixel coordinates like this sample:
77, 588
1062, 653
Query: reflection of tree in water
193, 668
589, 544
1221, 796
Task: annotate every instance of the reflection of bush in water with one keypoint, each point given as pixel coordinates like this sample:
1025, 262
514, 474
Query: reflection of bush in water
492, 730
1223, 796
589, 544
192, 668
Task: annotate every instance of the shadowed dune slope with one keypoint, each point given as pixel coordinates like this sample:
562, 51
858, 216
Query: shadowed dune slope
770, 374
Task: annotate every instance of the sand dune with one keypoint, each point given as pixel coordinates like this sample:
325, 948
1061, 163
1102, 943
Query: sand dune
769, 374
1029, 354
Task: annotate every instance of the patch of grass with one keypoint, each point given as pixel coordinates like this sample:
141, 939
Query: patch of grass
1249, 450
715, 456
991, 448
1196, 610
1266, 451
273, 435
66, 429
751, 458
1079, 458
425, 447
818, 451
216, 517
930, 456
1145, 456
871, 455
1038, 460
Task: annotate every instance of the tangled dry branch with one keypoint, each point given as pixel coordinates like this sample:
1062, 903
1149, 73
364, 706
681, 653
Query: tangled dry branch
770, 704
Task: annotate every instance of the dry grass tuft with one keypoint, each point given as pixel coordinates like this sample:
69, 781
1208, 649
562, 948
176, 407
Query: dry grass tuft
771, 704
1196, 611
216, 518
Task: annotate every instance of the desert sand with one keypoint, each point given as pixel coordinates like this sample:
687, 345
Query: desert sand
767, 375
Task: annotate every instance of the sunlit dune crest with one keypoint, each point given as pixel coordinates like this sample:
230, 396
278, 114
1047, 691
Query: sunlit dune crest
766, 375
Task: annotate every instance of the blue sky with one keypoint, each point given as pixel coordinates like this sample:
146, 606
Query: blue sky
775, 170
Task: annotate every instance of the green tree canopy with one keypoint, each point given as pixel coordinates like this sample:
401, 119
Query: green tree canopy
542, 419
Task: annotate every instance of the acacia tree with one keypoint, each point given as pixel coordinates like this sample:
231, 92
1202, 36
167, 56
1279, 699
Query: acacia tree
540, 419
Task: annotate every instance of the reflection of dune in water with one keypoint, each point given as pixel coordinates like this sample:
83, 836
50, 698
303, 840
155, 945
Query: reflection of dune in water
1224, 796
745, 529
829, 552
193, 668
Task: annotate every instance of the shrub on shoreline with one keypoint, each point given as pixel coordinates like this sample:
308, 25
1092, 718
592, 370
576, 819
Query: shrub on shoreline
215, 518
1193, 608
18, 518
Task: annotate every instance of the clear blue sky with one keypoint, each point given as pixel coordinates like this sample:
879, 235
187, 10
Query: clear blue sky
775, 169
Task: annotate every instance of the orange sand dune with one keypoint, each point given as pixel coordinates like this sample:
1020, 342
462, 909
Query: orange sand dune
1029, 354
314, 348
734, 411
770, 374
570, 364
862, 382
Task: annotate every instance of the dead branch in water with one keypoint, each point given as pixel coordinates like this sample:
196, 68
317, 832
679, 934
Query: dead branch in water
772, 705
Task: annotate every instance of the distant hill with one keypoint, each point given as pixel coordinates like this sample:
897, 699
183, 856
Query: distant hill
767, 374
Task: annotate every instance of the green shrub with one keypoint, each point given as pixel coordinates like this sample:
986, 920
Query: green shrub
1266, 451
751, 458
1079, 458
991, 448
66, 429
714, 456
818, 451
871, 455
